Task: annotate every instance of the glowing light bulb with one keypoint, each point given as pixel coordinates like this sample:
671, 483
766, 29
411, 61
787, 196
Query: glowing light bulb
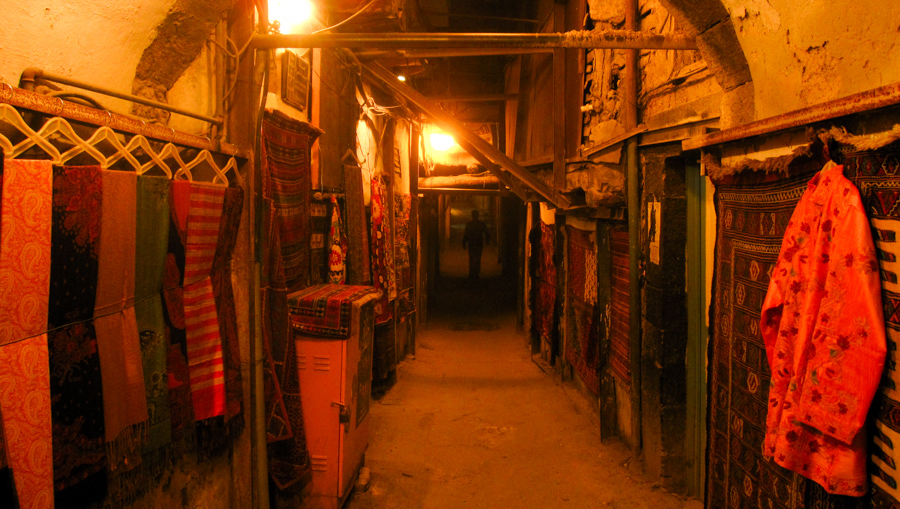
401, 77
291, 14
441, 141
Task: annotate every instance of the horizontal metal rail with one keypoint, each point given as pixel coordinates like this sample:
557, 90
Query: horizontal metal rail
55, 106
31, 74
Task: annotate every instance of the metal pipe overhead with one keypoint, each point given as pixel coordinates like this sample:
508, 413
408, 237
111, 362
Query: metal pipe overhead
619, 39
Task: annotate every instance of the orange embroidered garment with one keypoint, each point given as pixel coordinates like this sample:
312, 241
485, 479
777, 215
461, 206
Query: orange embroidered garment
823, 327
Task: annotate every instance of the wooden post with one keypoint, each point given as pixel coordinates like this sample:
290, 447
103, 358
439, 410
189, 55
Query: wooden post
559, 101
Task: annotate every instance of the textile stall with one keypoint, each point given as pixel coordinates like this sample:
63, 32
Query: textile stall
119, 351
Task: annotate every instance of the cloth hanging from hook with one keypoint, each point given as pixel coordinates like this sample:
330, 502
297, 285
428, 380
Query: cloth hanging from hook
24, 301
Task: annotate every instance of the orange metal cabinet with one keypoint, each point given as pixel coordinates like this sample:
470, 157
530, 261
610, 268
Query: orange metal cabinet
336, 388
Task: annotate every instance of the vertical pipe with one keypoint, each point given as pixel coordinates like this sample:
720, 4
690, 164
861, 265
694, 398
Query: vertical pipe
414, 224
258, 444
632, 74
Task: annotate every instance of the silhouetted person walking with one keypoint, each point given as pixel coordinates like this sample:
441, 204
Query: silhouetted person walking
475, 237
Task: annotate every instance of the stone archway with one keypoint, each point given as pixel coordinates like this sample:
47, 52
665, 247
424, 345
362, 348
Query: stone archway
711, 24
179, 39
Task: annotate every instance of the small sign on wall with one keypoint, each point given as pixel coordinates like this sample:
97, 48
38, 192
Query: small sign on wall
653, 229
295, 79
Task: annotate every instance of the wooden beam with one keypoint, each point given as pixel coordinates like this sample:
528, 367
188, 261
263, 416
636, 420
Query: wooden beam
448, 53
618, 39
467, 139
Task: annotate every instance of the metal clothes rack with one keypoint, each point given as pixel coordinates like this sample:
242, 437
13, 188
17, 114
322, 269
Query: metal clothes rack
70, 131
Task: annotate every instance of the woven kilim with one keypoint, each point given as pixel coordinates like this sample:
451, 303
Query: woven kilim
286, 181
582, 341
877, 176
324, 310
619, 345
752, 219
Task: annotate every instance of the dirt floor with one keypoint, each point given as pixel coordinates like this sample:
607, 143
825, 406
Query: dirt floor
473, 422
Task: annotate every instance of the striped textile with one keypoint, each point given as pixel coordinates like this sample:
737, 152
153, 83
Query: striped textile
204, 343
619, 345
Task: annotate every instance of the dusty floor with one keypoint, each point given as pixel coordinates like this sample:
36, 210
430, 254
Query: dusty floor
473, 422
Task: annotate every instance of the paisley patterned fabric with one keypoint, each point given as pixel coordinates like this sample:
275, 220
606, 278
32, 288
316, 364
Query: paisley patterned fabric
25, 399
75, 364
25, 235
25, 251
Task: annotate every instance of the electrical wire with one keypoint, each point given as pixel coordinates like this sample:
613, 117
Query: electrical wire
357, 13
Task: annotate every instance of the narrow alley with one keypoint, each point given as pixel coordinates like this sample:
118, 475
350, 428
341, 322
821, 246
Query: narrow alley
474, 422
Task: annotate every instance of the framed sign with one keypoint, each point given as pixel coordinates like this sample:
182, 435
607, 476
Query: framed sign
295, 78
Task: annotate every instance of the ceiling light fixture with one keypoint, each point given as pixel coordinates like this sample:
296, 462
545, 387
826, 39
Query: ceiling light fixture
292, 15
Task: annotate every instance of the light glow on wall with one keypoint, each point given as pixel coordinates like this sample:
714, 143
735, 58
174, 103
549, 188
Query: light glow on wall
442, 142
292, 15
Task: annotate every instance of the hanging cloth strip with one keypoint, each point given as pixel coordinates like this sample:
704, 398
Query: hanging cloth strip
582, 344
358, 269
287, 182
278, 425
7, 488
221, 282
75, 364
204, 344
402, 205
179, 382
382, 255
124, 393
337, 252
151, 246
24, 300
289, 462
